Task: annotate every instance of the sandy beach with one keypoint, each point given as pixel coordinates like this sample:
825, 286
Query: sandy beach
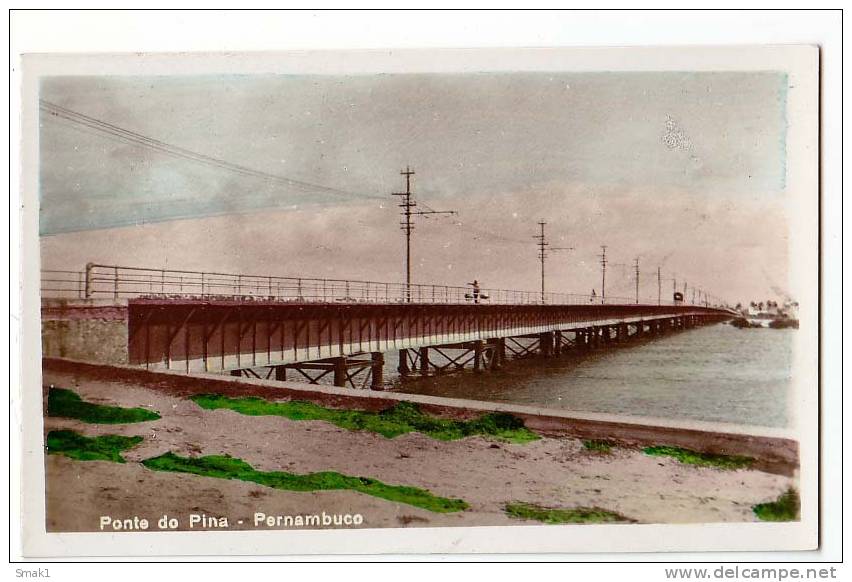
485, 473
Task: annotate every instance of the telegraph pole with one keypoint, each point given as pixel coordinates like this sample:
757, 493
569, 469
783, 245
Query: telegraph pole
659, 286
542, 253
407, 224
542, 248
603, 274
636, 267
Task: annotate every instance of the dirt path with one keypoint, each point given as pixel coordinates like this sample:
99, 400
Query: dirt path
485, 473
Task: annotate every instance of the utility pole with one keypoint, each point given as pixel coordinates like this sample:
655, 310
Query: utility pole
407, 224
542, 253
659, 286
542, 248
603, 274
636, 267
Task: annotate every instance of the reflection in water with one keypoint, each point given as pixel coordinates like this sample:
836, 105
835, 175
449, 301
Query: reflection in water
715, 373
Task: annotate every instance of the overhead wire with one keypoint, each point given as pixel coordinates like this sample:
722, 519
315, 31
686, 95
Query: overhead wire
183, 153
129, 136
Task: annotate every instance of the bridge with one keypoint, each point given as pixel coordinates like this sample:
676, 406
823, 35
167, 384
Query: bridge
340, 330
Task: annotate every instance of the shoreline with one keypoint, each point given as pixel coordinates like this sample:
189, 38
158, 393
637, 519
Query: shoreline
556, 471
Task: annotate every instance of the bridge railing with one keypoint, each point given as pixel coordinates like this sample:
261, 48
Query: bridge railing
120, 282
63, 284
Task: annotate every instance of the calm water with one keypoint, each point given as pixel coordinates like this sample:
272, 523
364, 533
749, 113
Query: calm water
716, 373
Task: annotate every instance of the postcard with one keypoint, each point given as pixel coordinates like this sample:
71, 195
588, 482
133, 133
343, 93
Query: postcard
497, 300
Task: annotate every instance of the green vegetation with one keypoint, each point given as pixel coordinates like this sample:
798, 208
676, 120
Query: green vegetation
574, 515
400, 419
67, 404
83, 448
227, 467
598, 446
785, 508
701, 459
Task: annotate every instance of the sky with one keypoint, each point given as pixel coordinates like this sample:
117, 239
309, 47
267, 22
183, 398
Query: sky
685, 171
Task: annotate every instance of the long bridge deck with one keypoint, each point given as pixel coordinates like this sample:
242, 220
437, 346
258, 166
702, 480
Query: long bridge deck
202, 322
203, 335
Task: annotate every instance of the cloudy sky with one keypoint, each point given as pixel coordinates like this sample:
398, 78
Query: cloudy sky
683, 170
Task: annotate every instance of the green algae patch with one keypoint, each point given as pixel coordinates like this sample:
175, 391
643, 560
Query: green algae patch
67, 404
101, 448
402, 418
785, 508
599, 446
728, 462
227, 467
551, 515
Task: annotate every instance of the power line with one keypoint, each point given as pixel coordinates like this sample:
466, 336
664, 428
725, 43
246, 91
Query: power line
480, 232
407, 224
543, 248
636, 267
136, 138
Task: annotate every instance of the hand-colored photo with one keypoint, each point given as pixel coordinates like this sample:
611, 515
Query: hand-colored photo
407, 300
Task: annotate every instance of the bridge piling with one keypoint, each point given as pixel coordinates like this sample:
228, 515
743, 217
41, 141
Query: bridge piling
478, 349
377, 367
403, 367
545, 342
281, 373
498, 357
424, 361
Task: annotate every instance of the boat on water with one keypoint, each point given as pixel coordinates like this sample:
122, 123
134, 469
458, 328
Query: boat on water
770, 322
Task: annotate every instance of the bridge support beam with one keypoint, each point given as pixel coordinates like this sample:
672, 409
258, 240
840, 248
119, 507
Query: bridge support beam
478, 349
403, 368
377, 367
339, 371
498, 354
424, 361
545, 340
281, 373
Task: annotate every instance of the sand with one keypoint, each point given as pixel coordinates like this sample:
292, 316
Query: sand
553, 472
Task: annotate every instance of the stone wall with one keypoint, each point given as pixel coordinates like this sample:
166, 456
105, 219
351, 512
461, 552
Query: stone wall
80, 330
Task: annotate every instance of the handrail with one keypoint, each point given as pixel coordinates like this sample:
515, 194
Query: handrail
125, 282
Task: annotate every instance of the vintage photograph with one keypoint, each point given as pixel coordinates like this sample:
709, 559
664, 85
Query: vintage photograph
327, 296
